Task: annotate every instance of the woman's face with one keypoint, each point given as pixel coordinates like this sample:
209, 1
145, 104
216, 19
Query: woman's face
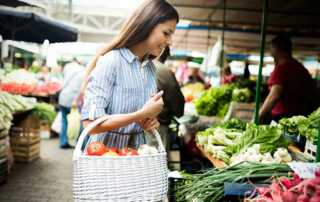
161, 37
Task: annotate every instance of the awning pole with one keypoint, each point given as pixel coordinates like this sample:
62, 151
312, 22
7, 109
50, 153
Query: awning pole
262, 47
222, 39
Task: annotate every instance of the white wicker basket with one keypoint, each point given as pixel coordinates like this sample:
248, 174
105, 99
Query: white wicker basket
117, 179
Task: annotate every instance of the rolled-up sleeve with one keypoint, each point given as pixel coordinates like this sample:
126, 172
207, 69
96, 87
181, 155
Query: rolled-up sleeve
99, 88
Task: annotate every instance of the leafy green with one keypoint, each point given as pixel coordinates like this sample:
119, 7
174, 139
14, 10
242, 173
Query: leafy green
44, 111
301, 125
214, 101
241, 95
232, 124
269, 138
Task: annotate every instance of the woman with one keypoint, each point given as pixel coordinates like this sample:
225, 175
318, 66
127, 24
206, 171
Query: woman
122, 79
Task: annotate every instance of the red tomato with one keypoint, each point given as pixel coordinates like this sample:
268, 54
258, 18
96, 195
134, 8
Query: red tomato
113, 149
96, 149
132, 152
123, 152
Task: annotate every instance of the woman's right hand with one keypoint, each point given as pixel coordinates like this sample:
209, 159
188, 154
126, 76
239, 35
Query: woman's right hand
153, 107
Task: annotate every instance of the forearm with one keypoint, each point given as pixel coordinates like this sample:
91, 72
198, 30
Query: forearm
115, 121
267, 106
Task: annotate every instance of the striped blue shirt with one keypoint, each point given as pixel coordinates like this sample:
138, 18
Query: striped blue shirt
119, 84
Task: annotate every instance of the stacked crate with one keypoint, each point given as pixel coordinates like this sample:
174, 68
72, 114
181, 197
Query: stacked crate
25, 144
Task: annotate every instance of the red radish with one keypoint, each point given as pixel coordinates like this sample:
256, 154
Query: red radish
289, 196
286, 182
315, 199
317, 173
303, 198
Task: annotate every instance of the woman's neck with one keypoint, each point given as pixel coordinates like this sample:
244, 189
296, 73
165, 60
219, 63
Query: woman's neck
139, 50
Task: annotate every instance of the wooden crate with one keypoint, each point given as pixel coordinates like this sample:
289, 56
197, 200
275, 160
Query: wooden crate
24, 136
25, 144
45, 130
242, 111
217, 163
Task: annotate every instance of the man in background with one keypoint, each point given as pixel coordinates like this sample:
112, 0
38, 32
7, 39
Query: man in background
73, 75
290, 84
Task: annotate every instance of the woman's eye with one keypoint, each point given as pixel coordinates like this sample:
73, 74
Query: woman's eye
166, 34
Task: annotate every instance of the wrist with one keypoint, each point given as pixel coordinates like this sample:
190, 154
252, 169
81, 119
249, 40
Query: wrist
139, 115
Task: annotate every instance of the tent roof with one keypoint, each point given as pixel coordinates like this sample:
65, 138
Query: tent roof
298, 17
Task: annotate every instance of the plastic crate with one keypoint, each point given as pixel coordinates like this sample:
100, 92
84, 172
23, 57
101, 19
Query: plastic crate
310, 149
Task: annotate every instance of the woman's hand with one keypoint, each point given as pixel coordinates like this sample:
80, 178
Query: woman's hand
149, 124
153, 107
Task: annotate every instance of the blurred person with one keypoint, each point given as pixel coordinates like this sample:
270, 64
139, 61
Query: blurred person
194, 75
291, 88
172, 97
121, 81
227, 76
246, 72
73, 77
182, 72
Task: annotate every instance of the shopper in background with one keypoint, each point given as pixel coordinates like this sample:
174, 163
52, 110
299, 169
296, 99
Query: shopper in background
73, 76
290, 84
227, 76
194, 73
182, 72
172, 97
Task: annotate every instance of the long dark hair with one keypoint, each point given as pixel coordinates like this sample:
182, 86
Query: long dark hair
138, 27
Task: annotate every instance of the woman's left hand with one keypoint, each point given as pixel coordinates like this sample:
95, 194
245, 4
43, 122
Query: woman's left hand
149, 124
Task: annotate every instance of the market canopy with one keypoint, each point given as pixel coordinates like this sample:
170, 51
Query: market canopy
299, 18
30, 27
15, 3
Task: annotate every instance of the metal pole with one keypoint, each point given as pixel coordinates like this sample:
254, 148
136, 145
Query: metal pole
318, 147
70, 10
262, 47
222, 38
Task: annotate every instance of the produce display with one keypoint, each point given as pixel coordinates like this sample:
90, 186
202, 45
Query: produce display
216, 101
99, 149
192, 91
209, 185
255, 143
45, 112
292, 189
10, 104
301, 125
23, 82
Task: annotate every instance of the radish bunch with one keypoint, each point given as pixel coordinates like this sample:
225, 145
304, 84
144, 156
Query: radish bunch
291, 190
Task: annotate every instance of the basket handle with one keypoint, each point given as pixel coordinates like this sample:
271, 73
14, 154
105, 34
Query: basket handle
77, 152
158, 138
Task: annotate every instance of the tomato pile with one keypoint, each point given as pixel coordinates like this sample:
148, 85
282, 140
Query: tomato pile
99, 149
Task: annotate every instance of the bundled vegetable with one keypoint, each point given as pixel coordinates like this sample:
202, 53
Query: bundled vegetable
301, 125
269, 138
214, 140
253, 154
208, 186
10, 104
44, 111
292, 189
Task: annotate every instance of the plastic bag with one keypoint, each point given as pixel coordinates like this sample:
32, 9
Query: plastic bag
56, 125
73, 125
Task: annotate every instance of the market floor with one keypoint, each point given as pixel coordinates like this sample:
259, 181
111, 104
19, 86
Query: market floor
48, 179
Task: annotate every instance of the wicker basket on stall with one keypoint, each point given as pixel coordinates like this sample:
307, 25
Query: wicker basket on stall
115, 179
